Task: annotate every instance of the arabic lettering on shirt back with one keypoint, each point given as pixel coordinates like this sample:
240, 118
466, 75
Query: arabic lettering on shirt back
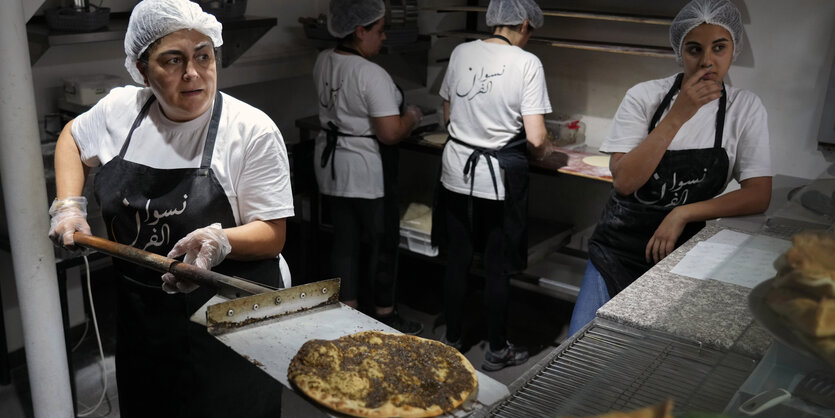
328, 95
481, 83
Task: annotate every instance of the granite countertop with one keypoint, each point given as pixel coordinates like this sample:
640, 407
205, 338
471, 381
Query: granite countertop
711, 312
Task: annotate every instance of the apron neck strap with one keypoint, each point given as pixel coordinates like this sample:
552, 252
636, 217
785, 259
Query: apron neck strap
497, 36
720, 118
211, 134
720, 112
136, 122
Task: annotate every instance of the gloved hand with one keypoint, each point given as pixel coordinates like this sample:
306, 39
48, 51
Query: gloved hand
69, 215
204, 248
415, 112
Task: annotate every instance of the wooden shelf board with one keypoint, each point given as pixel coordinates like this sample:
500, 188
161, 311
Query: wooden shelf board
652, 51
650, 20
239, 35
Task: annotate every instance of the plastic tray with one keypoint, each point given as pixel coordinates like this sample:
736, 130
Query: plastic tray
781, 367
417, 241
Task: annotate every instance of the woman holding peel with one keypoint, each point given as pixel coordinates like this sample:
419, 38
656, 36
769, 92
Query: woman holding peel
183, 170
675, 144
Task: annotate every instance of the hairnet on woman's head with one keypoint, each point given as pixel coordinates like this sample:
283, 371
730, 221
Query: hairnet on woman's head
514, 12
153, 19
345, 15
715, 12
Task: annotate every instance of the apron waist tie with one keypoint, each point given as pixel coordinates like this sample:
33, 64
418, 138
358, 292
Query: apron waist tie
472, 161
329, 153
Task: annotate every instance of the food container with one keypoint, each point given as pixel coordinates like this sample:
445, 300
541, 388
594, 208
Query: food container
72, 19
417, 241
224, 9
87, 90
566, 132
416, 230
316, 28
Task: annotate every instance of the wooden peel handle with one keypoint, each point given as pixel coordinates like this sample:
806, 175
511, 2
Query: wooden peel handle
159, 263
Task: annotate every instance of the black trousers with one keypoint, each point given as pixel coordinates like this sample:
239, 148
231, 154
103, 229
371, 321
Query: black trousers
354, 221
483, 233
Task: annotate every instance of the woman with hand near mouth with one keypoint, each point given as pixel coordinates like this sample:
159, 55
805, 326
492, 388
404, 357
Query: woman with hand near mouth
183, 170
675, 144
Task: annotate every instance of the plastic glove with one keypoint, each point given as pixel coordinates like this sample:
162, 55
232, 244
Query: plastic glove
415, 112
204, 248
69, 215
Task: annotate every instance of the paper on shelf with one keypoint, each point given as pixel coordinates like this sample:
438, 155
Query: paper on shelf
729, 237
733, 257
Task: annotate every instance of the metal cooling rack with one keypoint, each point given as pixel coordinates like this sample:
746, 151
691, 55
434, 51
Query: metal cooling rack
610, 367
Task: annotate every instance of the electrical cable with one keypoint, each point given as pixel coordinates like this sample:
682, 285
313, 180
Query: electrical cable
98, 339
83, 335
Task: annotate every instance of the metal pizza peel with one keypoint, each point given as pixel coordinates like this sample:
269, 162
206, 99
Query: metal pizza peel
268, 326
268, 329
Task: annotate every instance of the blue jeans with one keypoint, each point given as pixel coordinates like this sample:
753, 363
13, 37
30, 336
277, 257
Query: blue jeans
593, 294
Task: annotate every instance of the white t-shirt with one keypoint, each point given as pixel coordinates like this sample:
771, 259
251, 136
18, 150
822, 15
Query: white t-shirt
249, 159
351, 91
745, 137
490, 87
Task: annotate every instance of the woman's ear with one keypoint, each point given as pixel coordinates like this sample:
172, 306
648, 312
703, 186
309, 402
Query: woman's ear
360, 32
526, 26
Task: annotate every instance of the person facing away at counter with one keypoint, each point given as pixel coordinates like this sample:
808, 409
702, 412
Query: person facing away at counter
363, 118
675, 144
494, 98
184, 170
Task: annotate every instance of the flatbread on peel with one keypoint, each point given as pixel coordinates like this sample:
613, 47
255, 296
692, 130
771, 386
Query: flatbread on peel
378, 374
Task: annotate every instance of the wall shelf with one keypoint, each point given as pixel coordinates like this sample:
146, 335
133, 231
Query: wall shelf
238, 35
651, 51
651, 20
600, 46
421, 45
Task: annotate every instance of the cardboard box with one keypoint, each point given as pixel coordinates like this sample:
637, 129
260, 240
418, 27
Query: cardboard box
87, 90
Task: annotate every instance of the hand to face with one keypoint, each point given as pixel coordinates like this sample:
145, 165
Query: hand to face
663, 241
696, 92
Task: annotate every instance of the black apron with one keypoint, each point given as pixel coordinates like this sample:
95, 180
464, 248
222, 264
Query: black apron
617, 246
165, 364
513, 159
390, 160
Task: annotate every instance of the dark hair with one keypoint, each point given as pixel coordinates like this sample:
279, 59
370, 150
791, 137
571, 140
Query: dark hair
146, 54
515, 28
351, 37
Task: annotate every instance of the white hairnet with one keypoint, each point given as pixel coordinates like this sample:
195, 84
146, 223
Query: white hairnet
514, 12
715, 12
153, 19
345, 15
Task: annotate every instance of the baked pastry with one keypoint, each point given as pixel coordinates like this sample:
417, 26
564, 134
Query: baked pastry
659, 410
803, 292
809, 265
812, 316
378, 374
